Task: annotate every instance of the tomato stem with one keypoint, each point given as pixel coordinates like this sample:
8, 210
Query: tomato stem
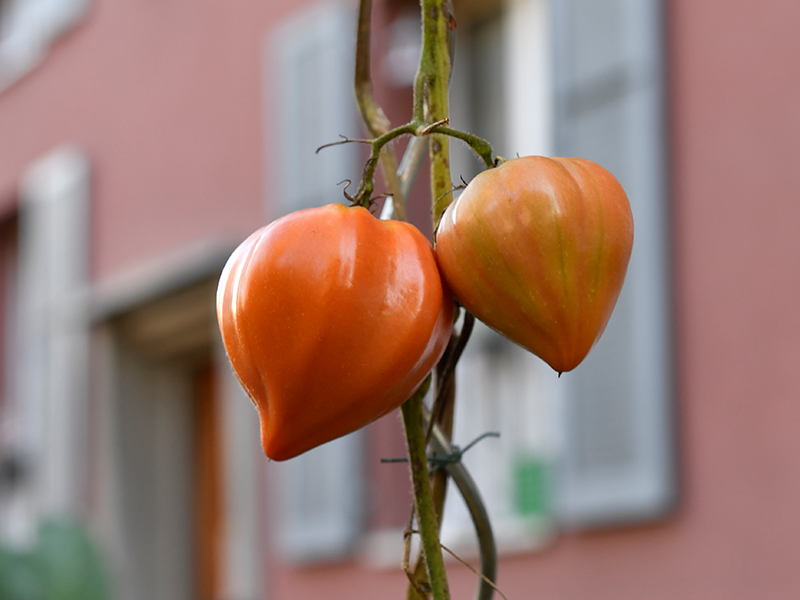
367, 185
431, 95
480, 146
423, 498
374, 118
430, 102
430, 118
363, 197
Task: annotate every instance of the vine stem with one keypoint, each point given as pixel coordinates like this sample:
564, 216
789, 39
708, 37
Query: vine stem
374, 118
423, 498
431, 109
430, 119
430, 112
430, 95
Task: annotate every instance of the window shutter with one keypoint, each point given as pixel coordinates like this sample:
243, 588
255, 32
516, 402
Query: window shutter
243, 458
313, 102
312, 58
53, 326
320, 500
619, 457
28, 27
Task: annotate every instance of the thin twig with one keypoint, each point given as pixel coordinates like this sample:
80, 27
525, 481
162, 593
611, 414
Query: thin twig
409, 532
364, 194
412, 580
477, 509
344, 140
428, 128
451, 357
412, 411
374, 118
479, 145
471, 568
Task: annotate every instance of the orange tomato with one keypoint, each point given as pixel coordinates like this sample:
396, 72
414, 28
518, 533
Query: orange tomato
537, 249
331, 319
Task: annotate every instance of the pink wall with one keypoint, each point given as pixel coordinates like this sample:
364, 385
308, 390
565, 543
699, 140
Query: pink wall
735, 129
167, 99
171, 112
734, 73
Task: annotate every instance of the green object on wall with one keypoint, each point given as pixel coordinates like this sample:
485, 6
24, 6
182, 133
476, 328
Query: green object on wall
63, 565
531, 486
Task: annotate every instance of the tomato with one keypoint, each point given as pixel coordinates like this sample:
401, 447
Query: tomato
537, 249
331, 319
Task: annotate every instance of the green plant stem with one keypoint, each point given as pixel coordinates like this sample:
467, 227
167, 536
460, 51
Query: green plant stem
364, 195
480, 518
438, 479
423, 499
430, 96
374, 118
431, 106
480, 146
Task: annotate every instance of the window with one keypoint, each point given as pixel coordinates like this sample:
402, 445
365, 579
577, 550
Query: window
552, 77
501, 91
27, 28
309, 79
46, 254
618, 460
571, 78
53, 327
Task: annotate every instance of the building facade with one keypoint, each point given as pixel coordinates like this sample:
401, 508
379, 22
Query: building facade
140, 143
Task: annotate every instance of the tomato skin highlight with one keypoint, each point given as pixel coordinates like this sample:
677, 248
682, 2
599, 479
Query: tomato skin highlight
537, 249
331, 319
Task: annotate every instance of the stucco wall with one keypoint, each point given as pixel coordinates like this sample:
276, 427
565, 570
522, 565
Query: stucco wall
734, 127
167, 100
166, 97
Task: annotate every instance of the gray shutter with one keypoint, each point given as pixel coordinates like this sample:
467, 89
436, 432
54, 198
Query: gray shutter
28, 27
243, 459
313, 102
53, 324
320, 500
619, 450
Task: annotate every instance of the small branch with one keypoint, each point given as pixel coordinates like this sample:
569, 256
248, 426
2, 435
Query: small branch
442, 416
431, 101
477, 510
428, 128
471, 568
415, 588
426, 515
480, 146
364, 194
445, 380
344, 140
374, 118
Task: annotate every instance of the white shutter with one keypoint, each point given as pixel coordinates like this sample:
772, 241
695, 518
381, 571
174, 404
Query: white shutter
619, 451
502, 388
319, 500
312, 99
312, 103
243, 460
27, 28
53, 326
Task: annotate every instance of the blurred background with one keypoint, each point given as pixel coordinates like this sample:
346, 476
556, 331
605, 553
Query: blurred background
141, 141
